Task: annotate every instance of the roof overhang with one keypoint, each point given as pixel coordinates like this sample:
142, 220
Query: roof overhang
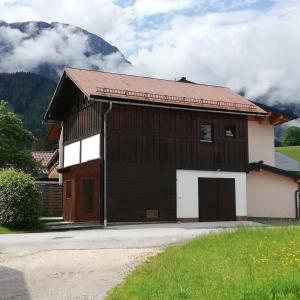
48, 115
257, 166
275, 115
54, 132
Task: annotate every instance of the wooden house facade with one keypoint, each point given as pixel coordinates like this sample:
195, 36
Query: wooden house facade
135, 149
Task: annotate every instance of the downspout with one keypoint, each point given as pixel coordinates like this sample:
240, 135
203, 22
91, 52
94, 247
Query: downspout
297, 200
105, 164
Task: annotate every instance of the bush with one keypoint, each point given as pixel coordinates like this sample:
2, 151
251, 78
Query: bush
19, 200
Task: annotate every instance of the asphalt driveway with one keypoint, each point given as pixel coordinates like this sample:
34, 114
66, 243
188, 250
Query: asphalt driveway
84, 264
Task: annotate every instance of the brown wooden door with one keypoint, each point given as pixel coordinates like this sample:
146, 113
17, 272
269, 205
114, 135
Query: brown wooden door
69, 199
88, 203
216, 199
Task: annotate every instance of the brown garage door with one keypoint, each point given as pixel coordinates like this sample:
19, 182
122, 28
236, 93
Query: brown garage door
216, 199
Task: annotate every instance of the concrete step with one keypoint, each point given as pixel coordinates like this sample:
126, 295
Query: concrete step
51, 219
64, 226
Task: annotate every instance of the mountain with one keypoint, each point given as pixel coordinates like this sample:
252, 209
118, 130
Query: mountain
291, 107
32, 58
28, 95
46, 48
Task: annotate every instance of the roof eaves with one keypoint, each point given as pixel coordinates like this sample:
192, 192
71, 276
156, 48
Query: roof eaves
265, 107
46, 116
54, 157
260, 165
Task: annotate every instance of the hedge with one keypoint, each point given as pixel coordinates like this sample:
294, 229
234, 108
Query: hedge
19, 200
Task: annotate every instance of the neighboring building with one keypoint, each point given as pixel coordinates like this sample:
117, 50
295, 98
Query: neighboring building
51, 204
49, 162
146, 149
271, 191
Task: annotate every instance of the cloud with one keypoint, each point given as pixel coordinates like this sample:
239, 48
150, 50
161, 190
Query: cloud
144, 8
248, 45
102, 17
58, 46
247, 50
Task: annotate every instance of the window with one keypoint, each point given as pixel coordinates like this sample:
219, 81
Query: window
230, 131
206, 133
69, 189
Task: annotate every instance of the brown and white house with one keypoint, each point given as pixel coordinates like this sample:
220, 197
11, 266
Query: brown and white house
136, 149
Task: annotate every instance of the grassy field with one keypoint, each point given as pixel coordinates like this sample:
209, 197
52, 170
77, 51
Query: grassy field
277, 222
4, 230
247, 264
292, 151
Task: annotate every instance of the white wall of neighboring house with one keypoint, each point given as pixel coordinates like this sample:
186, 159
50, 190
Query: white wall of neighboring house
270, 195
261, 141
187, 191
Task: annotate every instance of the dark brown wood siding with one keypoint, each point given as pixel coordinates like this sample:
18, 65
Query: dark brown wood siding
82, 123
147, 145
171, 137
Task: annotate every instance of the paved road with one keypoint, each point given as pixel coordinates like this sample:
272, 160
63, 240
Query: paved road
83, 264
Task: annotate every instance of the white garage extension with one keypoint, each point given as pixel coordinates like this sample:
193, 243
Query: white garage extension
227, 192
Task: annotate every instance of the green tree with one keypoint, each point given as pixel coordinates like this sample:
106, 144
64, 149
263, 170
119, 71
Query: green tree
14, 140
291, 136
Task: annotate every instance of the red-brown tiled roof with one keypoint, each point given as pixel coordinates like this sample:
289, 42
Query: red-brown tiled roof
43, 156
146, 89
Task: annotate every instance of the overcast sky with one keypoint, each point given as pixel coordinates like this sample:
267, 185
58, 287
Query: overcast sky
245, 44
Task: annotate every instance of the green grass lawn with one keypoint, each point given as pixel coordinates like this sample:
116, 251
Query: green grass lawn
4, 230
292, 151
246, 264
277, 222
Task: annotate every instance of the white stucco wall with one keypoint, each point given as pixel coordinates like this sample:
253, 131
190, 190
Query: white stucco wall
270, 195
187, 191
261, 141
90, 148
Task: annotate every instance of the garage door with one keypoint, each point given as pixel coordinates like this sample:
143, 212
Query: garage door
216, 199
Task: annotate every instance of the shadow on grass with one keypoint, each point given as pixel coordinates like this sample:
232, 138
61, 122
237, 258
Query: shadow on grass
11, 230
